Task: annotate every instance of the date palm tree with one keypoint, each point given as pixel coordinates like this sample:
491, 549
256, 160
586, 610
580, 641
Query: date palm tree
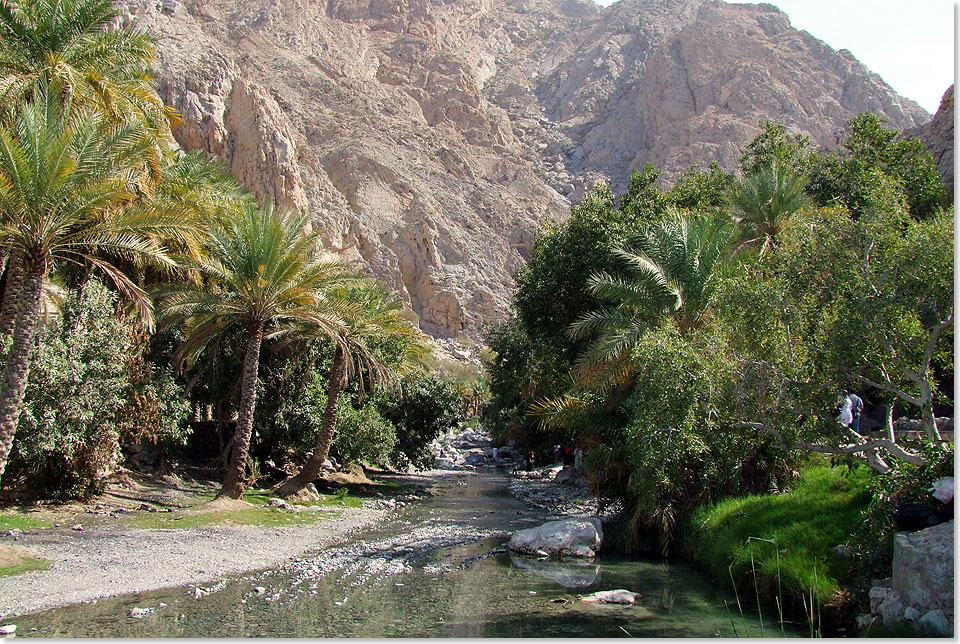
763, 203
66, 181
371, 317
670, 271
72, 45
265, 278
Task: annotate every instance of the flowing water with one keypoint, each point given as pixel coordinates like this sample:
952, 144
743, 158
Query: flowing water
439, 571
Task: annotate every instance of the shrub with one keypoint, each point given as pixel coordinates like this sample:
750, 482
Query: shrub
69, 436
426, 408
362, 434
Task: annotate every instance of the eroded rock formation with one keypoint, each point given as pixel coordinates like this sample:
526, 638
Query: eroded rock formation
430, 138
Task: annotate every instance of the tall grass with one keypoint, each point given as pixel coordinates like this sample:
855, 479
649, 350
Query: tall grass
785, 542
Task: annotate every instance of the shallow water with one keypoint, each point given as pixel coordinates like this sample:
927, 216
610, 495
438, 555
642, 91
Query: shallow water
440, 571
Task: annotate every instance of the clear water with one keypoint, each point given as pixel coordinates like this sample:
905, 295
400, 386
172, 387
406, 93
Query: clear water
395, 583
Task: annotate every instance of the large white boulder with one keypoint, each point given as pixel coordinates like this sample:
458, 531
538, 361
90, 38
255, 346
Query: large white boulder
570, 537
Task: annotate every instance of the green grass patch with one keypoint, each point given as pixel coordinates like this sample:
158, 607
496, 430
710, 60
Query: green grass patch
21, 521
820, 512
259, 514
26, 565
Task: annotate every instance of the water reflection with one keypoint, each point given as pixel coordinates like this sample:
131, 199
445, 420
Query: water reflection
568, 573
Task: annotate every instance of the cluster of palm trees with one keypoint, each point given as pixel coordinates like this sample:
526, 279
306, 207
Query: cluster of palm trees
91, 182
670, 271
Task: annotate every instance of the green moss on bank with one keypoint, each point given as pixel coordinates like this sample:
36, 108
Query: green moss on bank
26, 565
806, 524
21, 521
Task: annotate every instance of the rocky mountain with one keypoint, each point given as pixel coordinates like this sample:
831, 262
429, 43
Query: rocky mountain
430, 138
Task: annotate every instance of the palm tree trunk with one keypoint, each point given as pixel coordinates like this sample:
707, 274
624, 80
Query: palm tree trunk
311, 469
18, 362
11, 294
233, 482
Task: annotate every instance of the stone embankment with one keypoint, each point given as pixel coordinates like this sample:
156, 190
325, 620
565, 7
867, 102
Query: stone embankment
920, 590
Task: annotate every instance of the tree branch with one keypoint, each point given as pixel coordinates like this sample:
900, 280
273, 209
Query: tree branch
891, 389
859, 449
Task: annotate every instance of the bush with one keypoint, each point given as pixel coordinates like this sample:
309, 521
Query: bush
904, 483
362, 434
426, 408
68, 440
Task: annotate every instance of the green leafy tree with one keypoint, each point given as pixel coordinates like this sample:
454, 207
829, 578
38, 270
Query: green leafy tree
874, 155
774, 145
266, 279
426, 408
65, 182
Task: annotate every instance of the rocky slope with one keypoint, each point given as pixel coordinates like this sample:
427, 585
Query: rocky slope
430, 138
937, 135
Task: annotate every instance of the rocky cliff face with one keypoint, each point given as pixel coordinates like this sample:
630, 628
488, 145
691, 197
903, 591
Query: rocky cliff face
430, 138
937, 135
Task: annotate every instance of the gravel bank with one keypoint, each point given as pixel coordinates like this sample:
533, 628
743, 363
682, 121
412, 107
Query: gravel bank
109, 560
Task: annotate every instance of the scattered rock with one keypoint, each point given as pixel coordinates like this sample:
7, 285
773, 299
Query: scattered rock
8, 629
259, 590
911, 614
278, 503
619, 596
78, 528
137, 613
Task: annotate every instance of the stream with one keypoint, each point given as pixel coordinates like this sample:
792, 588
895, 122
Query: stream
439, 569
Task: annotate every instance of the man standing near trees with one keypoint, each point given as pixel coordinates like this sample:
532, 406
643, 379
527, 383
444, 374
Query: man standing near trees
856, 408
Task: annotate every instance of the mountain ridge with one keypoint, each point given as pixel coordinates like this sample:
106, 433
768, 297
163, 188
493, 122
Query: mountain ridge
430, 138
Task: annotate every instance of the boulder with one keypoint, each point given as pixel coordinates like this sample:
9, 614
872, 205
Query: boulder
619, 596
8, 629
571, 537
137, 613
935, 622
923, 567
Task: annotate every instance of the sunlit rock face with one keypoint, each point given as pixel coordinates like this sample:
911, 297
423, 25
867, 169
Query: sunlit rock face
430, 139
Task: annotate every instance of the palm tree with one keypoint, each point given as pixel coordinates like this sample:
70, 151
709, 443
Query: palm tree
71, 45
763, 203
66, 180
670, 271
371, 317
267, 278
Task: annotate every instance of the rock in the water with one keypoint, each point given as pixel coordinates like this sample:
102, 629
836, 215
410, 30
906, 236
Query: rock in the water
572, 537
619, 596
8, 629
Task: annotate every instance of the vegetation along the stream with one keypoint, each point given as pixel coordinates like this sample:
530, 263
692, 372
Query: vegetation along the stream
695, 341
